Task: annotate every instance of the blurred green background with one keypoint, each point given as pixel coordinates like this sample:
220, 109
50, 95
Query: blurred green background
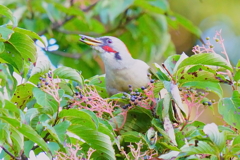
151, 29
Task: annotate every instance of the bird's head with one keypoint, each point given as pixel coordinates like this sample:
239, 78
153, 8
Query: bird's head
112, 49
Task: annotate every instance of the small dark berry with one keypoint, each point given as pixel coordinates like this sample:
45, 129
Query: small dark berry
81, 96
209, 104
129, 86
49, 75
135, 103
139, 98
143, 88
152, 81
39, 85
46, 83
89, 99
137, 93
130, 89
76, 93
40, 78
205, 103
132, 99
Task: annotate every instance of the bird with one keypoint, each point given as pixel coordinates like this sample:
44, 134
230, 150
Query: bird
121, 69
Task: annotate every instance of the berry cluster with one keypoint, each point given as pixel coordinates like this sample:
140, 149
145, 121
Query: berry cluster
195, 98
139, 97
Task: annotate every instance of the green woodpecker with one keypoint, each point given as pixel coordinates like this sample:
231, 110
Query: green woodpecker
121, 69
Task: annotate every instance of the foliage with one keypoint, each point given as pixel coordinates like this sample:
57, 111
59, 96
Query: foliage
66, 116
130, 20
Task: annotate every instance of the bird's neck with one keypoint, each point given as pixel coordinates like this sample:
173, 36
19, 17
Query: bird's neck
115, 63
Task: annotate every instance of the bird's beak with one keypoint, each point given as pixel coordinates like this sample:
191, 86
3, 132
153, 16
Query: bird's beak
90, 40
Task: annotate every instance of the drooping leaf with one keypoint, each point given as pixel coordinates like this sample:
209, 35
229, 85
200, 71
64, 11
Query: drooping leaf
219, 139
68, 73
2, 47
171, 62
25, 46
206, 85
5, 33
201, 148
27, 131
7, 12
226, 105
188, 25
11, 56
151, 7
30, 34
210, 59
77, 117
22, 95
97, 140
46, 101
41, 68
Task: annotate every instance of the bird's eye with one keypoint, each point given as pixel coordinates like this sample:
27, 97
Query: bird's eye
109, 41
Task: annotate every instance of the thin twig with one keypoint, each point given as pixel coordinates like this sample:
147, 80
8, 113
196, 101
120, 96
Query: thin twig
65, 54
59, 24
10, 154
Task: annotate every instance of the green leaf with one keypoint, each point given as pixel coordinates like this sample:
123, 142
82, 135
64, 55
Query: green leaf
236, 145
30, 33
18, 139
7, 12
238, 66
61, 129
97, 140
7, 79
171, 62
68, 73
46, 101
201, 148
54, 147
206, 85
131, 136
188, 25
5, 33
25, 46
118, 7
27, 131
236, 99
210, 59
226, 105
173, 148
160, 73
2, 47
150, 7
22, 95
12, 56
237, 76
77, 117
28, 147
182, 57
219, 139
156, 123
41, 68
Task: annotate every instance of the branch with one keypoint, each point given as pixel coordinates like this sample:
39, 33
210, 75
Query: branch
64, 54
122, 25
10, 154
59, 24
78, 32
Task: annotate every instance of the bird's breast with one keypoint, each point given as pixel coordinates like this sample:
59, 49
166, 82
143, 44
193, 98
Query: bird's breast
118, 80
